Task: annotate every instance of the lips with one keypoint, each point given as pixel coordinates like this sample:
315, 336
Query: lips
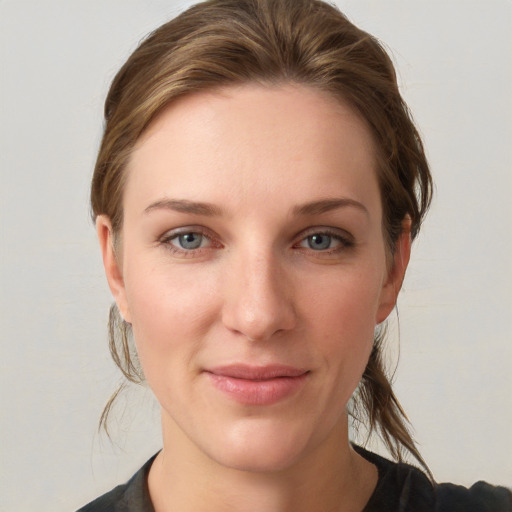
257, 385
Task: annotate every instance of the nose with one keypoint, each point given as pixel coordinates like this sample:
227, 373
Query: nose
258, 298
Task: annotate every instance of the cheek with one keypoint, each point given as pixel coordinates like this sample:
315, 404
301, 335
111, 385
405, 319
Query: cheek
171, 312
344, 323
349, 338
349, 305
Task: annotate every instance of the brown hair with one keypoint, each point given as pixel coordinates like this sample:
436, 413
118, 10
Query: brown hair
223, 42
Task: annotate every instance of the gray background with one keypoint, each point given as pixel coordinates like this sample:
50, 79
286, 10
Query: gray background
454, 377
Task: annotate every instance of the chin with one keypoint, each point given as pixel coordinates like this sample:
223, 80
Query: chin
260, 449
257, 461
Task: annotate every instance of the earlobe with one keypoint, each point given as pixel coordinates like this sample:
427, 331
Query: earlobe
396, 273
111, 263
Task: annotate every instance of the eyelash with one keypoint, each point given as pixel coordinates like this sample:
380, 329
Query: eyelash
346, 241
167, 238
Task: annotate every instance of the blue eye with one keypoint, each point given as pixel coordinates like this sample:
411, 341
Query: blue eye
189, 241
319, 241
327, 242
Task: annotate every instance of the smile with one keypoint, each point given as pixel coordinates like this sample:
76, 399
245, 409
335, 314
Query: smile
262, 385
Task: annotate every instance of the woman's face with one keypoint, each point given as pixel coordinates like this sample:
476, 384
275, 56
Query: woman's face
252, 267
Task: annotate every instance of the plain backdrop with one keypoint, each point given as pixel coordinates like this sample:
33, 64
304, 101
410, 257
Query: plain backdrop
454, 377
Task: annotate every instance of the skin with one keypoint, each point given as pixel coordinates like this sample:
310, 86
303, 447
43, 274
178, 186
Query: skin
260, 289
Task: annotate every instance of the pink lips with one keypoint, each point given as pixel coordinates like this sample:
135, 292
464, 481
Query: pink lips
257, 385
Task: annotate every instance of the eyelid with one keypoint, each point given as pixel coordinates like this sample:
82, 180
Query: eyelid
171, 234
339, 233
346, 239
180, 230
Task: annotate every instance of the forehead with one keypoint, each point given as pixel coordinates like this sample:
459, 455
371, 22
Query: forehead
253, 143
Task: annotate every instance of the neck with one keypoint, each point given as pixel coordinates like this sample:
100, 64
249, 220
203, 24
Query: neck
331, 477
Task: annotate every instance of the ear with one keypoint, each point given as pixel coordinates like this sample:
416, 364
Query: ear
396, 272
112, 264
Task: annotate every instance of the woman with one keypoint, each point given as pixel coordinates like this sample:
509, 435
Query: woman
256, 193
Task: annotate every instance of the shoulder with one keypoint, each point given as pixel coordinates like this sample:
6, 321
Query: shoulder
480, 497
405, 488
130, 497
109, 501
400, 487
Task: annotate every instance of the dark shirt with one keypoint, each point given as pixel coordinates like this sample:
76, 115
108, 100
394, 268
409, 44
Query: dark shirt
400, 488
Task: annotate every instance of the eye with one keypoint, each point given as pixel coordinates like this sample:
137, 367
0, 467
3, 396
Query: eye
189, 241
326, 241
319, 242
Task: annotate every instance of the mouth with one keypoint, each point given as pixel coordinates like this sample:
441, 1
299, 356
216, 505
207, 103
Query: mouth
257, 385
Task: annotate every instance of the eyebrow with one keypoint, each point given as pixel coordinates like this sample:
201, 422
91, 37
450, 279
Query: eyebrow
210, 210
327, 205
185, 206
